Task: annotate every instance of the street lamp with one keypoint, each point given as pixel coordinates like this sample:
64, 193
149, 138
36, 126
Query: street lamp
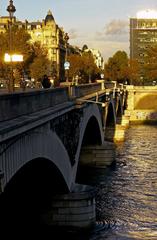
66, 64
11, 9
11, 59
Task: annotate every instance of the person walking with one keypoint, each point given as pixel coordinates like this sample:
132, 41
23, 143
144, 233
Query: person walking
46, 82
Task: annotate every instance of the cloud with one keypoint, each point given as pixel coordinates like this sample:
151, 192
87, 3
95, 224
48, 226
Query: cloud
116, 30
111, 38
116, 27
73, 33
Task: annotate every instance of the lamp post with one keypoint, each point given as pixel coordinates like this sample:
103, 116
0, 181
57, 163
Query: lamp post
11, 9
66, 64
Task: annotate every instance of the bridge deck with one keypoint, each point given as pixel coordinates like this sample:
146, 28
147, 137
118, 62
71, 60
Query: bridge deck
13, 127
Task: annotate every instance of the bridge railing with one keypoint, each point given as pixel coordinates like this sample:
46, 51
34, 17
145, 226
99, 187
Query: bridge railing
84, 89
23, 103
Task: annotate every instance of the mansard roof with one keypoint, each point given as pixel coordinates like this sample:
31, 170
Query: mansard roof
49, 17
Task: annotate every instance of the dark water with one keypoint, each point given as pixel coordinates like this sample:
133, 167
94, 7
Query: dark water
127, 196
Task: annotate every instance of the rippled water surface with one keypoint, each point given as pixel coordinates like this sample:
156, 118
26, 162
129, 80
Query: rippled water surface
127, 196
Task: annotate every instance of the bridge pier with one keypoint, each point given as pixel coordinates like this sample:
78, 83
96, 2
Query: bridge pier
98, 156
124, 120
115, 133
74, 211
119, 135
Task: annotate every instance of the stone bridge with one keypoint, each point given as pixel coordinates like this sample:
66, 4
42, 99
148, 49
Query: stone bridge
46, 137
142, 103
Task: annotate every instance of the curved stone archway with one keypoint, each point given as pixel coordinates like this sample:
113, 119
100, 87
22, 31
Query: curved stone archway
110, 122
38, 144
29, 193
90, 127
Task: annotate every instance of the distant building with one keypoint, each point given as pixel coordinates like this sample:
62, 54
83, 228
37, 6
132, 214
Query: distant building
50, 35
99, 61
143, 35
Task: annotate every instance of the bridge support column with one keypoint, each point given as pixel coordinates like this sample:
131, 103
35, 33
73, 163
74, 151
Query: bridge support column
74, 211
119, 134
98, 156
124, 121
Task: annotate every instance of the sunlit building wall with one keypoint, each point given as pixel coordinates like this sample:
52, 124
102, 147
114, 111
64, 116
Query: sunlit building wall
99, 61
143, 35
98, 58
50, 35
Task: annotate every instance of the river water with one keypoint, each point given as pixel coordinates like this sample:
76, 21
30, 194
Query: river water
126, 199
127, 195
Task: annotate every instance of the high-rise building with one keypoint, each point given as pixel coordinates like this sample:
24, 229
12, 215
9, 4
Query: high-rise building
143, 35
49, 34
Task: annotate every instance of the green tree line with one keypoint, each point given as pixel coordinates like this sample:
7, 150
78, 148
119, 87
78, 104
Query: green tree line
123, 70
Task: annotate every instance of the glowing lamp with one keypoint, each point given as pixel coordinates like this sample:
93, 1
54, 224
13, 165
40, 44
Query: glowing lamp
13, 58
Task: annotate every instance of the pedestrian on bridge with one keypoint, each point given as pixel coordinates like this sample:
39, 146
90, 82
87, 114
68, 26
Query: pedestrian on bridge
46, 82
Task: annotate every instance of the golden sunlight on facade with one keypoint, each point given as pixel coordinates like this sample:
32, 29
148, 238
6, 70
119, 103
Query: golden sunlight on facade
49, 34
143, 36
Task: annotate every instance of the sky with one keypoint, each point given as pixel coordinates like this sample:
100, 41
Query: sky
100, 24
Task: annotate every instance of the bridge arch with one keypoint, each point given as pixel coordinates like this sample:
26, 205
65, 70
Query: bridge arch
110, 121
38, 144
119, 109
91, 125
110, 118
92, 134
91, 130
145, 101
29, 192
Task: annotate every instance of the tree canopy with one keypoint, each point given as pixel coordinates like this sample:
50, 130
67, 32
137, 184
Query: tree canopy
19, 44
40, 63
84, 66
35, 58
116, 66
121, 69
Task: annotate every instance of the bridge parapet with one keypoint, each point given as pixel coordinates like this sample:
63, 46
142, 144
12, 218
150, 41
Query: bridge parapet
86, 89
18, 104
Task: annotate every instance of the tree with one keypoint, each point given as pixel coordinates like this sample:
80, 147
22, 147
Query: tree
89, 67
20, 45
40, 64
115, 68
75, 65
84, 66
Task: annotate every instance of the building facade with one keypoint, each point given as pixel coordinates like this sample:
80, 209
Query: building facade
143, 36
99, 61
50, 35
